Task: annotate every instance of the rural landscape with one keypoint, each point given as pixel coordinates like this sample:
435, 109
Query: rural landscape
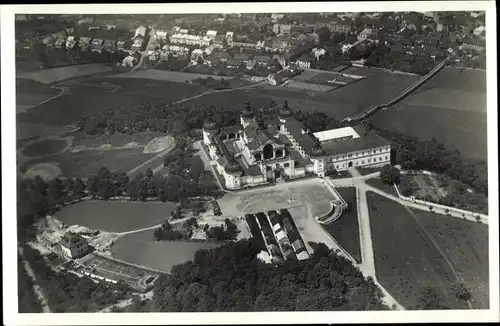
252, 162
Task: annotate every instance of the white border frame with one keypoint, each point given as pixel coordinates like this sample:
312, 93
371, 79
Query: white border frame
8, 166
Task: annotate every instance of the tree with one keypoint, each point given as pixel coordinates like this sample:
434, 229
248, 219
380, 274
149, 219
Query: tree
429, 299
460, 290
390, 175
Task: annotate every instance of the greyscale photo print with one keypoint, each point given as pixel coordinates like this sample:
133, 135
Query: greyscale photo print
192, 161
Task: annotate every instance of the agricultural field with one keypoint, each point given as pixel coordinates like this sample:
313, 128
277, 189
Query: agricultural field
139, 248
407, 259
345, 230
48, 76
465, 244
451, 107
102, 94
165, 75
87, 163
44, 147
113, 216
29, 93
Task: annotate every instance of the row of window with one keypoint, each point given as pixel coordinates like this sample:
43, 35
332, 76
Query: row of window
368, 161
340, 157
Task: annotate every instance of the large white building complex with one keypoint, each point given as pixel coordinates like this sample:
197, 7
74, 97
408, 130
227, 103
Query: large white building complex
258, 150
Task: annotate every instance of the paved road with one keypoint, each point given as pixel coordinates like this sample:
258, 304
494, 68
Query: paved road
36, 288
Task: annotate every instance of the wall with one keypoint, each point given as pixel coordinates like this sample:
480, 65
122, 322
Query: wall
360, 158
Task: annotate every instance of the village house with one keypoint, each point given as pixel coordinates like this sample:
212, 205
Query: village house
474, 44
97, 45
84, 43
110, 46
336, 25
305, 61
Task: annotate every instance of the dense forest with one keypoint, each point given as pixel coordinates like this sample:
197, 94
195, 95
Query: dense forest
231, 278
432, 155
66, 292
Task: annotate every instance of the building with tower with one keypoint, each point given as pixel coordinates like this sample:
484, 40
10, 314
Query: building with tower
260, 150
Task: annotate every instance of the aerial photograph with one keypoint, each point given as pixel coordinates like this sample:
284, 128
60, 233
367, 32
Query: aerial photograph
251, 162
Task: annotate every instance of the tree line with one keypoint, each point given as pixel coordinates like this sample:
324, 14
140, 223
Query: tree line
415, 154
231, 278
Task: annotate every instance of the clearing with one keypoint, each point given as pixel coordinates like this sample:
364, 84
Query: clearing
346, 229
115, 216
139, 248
406, 257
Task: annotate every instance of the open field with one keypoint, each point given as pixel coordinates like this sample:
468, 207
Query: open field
165, 75
48, 76
406, 257
102, 94
450, 107
87, 163
44, 147
346, 229
30, 93
113, 216
465, 243
139, 248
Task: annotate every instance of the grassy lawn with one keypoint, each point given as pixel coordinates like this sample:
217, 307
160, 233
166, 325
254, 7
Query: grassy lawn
466, 246
87, 163
99, 95
406, 258
377, 183
139, 248
346, 229
45, 147
115, 216
30, 92
450, 107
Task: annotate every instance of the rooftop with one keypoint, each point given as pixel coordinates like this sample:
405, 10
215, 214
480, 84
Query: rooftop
336, 133
371, 140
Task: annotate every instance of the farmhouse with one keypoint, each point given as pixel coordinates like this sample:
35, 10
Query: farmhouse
258, 151
73, 245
